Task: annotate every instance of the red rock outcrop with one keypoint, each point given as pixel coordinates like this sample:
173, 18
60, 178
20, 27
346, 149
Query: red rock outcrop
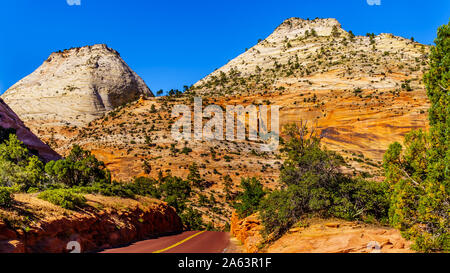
247, 231
93, 229
321, 236
9, 119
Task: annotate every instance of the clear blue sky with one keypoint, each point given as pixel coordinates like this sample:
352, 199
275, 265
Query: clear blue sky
173, 43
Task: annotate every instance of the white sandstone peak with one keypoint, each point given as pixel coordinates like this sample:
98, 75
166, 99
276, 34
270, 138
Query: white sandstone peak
75, 86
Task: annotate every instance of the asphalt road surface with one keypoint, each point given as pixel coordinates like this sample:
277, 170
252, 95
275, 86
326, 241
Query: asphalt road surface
186, 242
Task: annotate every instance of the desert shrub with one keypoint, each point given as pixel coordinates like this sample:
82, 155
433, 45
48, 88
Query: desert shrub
186, 150
361, 199
351, 35
314, 185
228, 183
281, 209
419, 200
6, 197
195, 177
64, 198
335, 31
145, 186
175, 191
248, 201
18, 167
140, 186
192, 219
80, 168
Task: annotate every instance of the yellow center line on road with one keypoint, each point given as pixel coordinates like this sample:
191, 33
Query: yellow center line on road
179, 243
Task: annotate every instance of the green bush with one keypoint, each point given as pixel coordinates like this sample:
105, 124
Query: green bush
192, 219
113, 189
195, 177
419, 203
175, 191
18, 167
314, 184
248, 201
64, 198
6, 198
281, 209
145, 186
5, 132
361, 199
80, 168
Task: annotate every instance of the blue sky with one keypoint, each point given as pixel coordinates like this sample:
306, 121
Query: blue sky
175, 43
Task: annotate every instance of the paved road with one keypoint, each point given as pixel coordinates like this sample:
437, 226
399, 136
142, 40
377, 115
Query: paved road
186, 242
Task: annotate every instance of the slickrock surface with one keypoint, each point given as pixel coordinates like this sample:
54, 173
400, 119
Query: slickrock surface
75, 86
321, 236
8, 119
36, 226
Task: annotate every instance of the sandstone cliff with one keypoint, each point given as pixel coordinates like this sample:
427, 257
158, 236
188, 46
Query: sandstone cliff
36, 226
8, 119
75, 86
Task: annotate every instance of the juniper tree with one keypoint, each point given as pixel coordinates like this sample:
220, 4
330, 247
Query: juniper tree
419, 175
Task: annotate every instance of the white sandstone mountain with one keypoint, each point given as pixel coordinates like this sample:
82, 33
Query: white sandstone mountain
317, 55
75, 86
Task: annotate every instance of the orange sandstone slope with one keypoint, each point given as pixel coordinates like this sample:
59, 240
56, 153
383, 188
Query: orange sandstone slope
139, 135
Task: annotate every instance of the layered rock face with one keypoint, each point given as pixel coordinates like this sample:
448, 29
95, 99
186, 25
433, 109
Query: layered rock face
75, 86
320, 236
8, 119
106, 222
247, 231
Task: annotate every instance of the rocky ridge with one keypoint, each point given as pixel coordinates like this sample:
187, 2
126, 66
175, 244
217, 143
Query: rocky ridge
361, 92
